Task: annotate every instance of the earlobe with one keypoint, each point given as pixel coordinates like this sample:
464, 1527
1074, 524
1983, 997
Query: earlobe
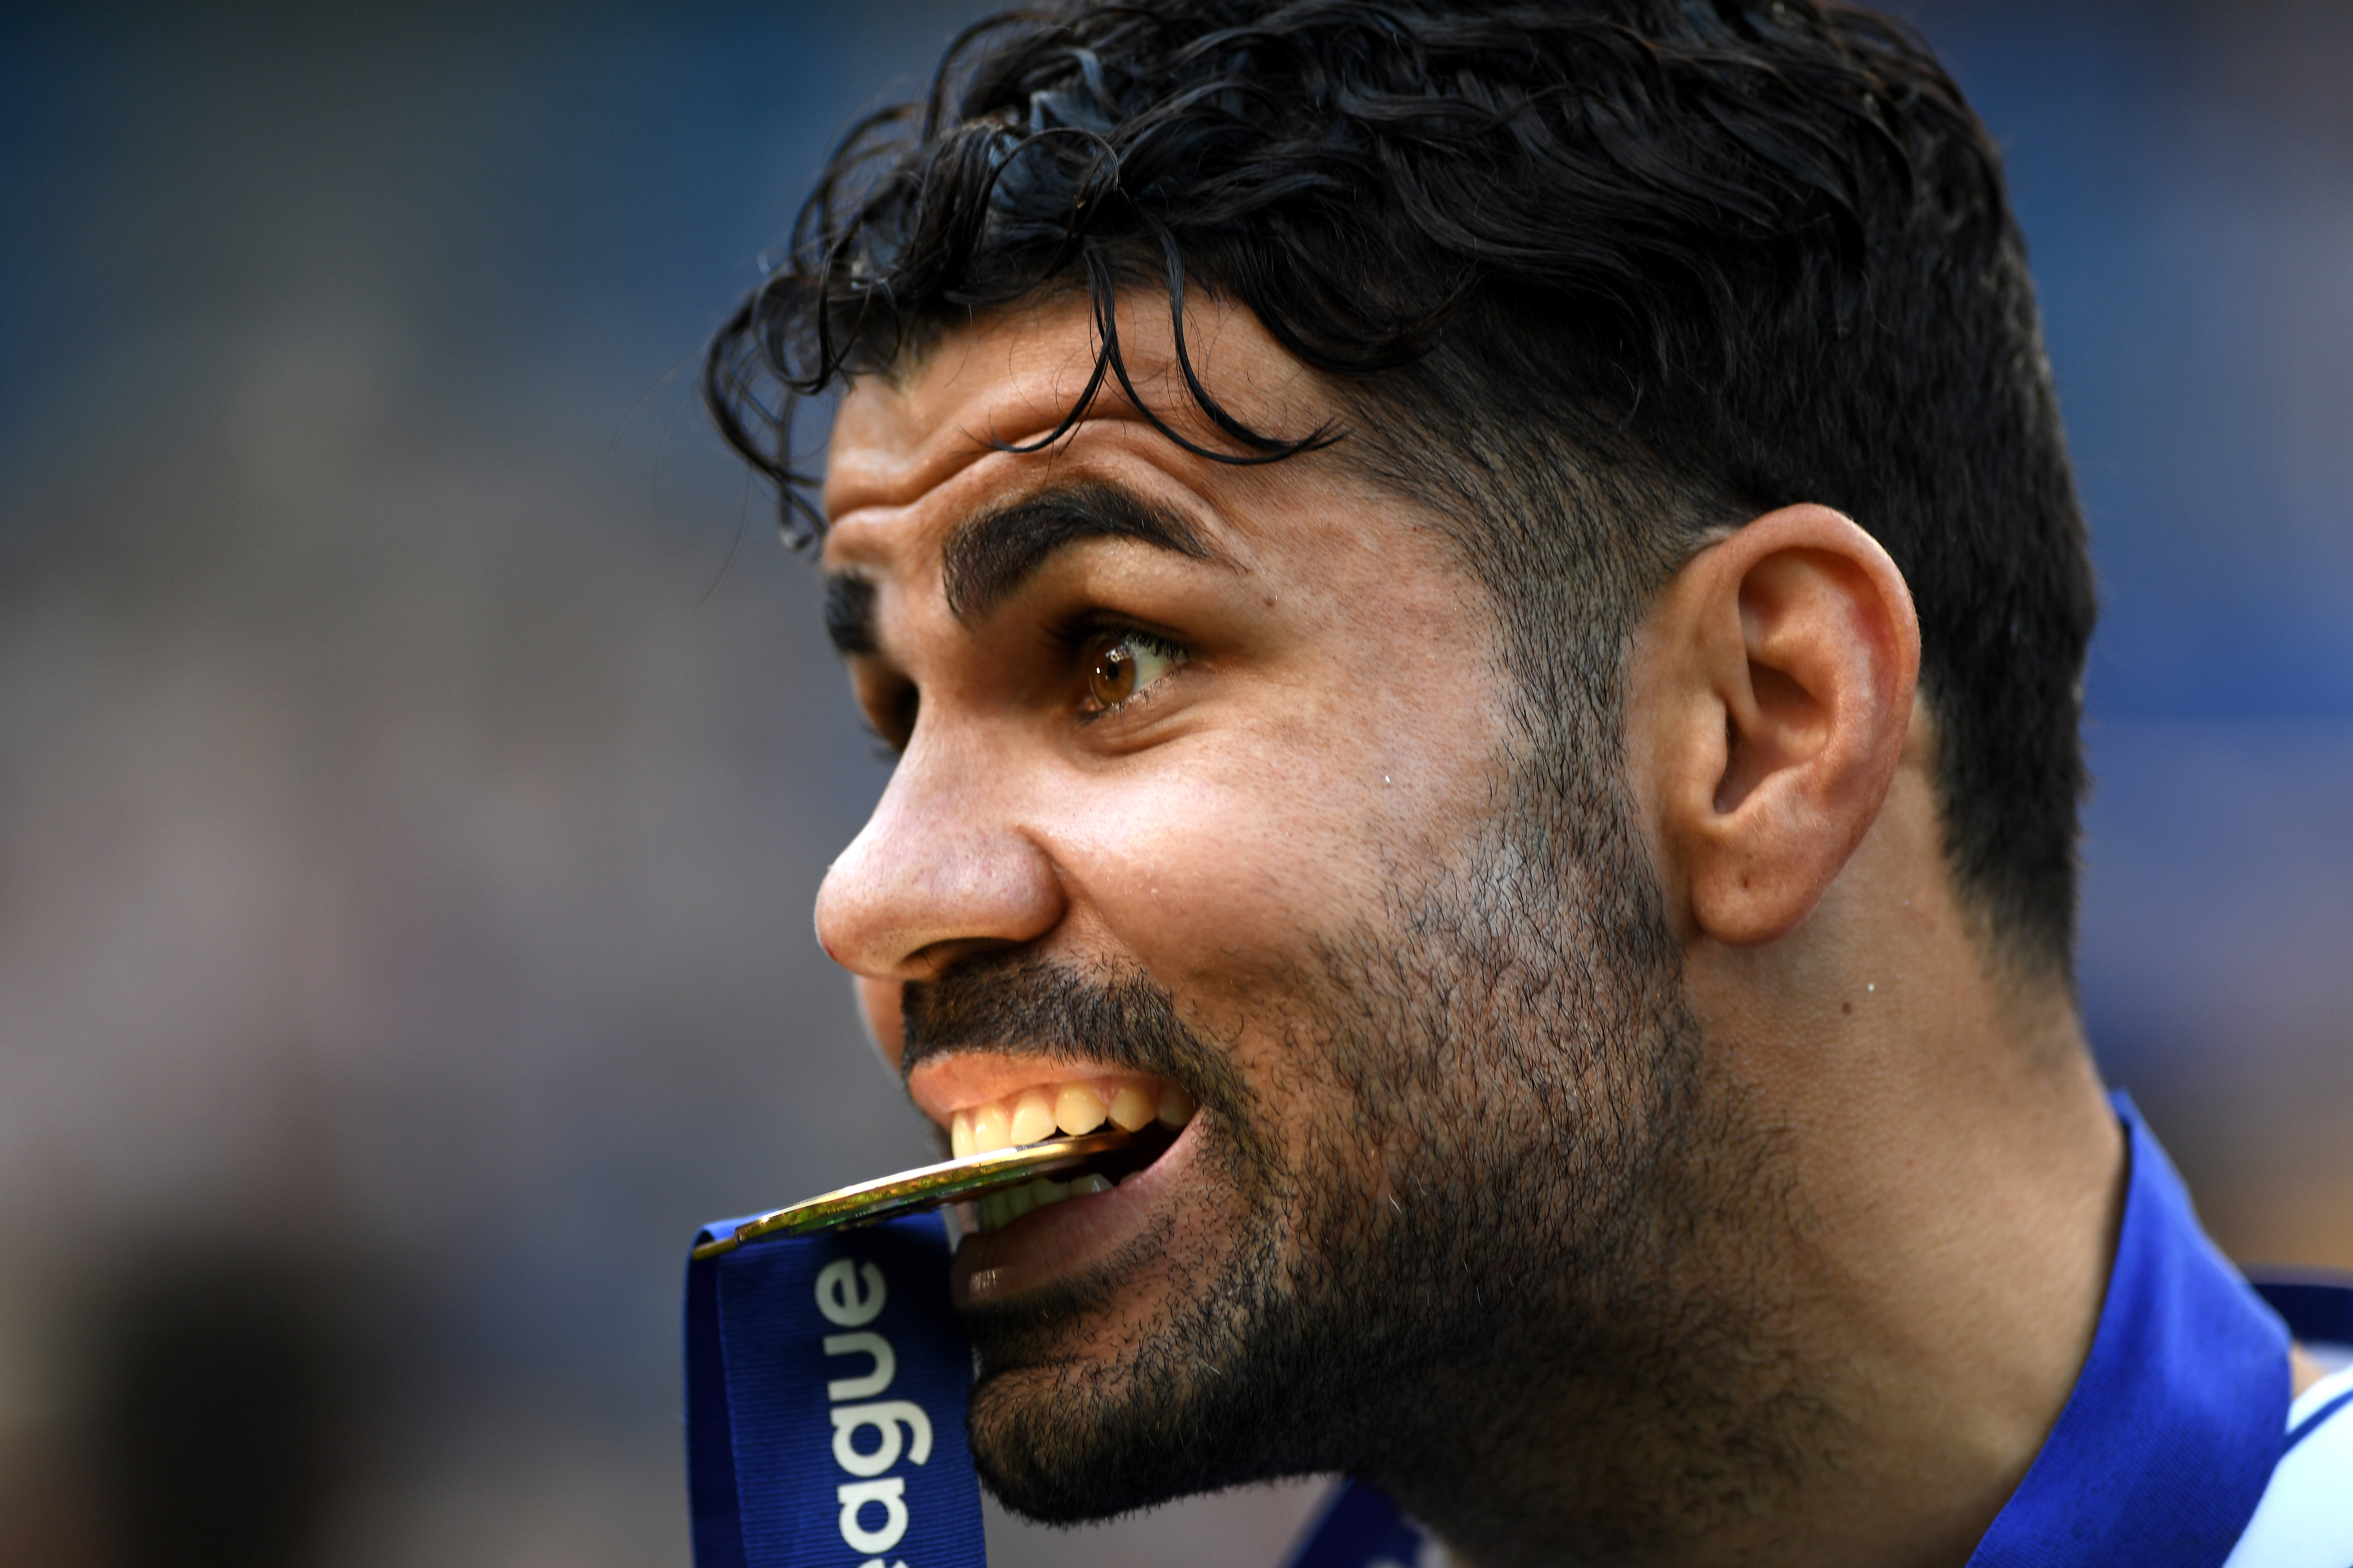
1776, 689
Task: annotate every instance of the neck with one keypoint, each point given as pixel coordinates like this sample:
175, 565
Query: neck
1915, 1291
1962, 1178
1950, 1288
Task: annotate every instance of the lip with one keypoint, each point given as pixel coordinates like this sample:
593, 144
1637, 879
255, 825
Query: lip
1048, 1244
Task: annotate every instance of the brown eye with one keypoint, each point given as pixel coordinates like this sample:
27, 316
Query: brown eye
1111, 675
1120, 666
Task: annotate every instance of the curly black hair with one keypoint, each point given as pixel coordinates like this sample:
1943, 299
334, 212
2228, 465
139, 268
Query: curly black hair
1594, 276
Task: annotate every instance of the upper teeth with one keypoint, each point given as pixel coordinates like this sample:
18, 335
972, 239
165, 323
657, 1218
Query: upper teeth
1034, 1114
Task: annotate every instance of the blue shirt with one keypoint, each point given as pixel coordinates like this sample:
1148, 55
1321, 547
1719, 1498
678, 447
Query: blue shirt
2178, 1445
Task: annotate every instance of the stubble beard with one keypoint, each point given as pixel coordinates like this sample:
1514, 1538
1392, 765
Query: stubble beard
1521, 1274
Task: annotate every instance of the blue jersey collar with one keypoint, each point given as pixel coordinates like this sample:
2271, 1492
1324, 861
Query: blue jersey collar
2177, 1417
2163, 1449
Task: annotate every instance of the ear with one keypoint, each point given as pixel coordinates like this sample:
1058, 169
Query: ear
1772, 692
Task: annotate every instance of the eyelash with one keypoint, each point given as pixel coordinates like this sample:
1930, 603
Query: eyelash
1079, 637
1072, 644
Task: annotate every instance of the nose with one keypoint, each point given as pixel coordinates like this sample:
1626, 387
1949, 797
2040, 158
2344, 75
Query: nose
942, 867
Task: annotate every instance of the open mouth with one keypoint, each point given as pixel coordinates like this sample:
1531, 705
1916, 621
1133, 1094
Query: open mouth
1151, 1112
1104, 1132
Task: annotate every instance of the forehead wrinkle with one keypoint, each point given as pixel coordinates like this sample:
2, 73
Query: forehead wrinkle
897, 476
916, 433
991, 554
884, 518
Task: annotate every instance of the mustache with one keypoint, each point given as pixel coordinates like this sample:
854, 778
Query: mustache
1024, 1003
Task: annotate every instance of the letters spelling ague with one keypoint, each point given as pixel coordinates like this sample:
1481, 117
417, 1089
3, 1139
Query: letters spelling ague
900, 1423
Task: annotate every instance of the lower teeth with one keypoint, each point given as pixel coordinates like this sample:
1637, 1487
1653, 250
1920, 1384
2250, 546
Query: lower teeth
1099, 1175
1003, 1208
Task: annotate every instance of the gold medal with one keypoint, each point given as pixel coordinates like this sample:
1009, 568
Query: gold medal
926, 1187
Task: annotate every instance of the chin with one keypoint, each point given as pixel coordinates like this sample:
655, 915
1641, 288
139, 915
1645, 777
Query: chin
1148, 1376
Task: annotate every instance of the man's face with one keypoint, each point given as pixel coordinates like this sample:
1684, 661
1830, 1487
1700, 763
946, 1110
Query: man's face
1206, 795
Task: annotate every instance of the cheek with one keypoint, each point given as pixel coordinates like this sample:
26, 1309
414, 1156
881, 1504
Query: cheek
1215, 862
1199, 875
878, 1003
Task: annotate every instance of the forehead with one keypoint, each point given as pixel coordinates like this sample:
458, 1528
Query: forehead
916, 453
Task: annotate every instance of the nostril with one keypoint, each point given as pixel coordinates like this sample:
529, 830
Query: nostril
934, 959
935, 876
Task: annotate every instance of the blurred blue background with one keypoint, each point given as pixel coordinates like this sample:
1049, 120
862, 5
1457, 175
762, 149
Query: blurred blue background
417, 757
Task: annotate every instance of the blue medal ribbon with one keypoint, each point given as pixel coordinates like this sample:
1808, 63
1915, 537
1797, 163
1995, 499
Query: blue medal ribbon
826, 1382
1359, 1527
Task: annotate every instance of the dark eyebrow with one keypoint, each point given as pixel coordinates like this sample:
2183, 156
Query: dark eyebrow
989, 556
